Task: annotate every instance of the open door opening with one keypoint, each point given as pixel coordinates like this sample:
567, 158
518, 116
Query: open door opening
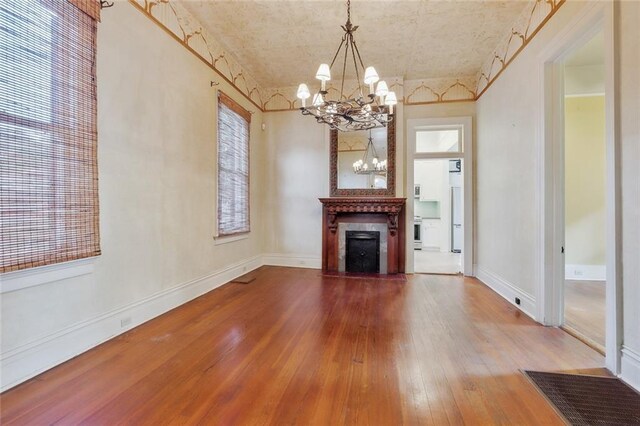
585, 193
438, 216
440, 170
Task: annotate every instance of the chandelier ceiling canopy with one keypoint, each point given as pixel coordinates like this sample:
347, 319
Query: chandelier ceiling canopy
361, 112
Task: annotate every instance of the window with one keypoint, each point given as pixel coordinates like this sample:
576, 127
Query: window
439, 140
233, 167
48, 167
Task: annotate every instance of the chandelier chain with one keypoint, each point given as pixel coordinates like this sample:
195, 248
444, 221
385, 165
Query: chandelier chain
348, 11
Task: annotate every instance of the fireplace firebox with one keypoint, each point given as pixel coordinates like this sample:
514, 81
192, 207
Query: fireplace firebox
362, 252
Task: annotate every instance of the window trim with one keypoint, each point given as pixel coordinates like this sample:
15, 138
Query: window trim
39, 275
224, 239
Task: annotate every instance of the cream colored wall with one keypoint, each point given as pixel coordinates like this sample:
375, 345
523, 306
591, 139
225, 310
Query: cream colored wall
628, 64
156, 156
297, 174
584, 181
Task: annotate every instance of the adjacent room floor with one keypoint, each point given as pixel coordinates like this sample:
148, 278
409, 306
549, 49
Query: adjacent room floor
584, 310
295, 347
436, 262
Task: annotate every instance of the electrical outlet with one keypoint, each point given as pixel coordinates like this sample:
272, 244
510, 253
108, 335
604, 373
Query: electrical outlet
124, 322
577, 272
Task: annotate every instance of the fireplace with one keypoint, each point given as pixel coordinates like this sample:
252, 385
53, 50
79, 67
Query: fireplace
382, 216
362, 252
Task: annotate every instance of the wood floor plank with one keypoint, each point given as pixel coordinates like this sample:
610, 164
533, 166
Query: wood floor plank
296, 347
585, 309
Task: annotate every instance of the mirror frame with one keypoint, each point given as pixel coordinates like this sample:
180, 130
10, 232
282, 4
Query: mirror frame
389, 191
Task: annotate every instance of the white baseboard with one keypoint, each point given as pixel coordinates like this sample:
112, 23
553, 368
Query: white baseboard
630, 367
507, 290
29, 360
292, 260
585, 272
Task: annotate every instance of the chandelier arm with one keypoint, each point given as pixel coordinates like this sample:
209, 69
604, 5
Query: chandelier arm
358, 52
373, 149
337, 52
344, 68
366, 153
355, 63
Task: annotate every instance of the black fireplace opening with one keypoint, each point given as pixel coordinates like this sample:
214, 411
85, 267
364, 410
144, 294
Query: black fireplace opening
362, 252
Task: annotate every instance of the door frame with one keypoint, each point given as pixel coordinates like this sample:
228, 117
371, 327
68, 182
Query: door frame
593, 18
413, 125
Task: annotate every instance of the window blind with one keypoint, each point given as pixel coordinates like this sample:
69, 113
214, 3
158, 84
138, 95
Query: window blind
48, 166
233, 167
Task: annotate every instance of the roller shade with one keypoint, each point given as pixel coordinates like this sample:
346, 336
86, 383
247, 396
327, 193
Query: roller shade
233, 167
48, 167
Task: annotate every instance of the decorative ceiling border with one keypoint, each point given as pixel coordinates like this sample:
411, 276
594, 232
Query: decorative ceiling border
185, 29
284, 98
439, 90
528, 24
409, 92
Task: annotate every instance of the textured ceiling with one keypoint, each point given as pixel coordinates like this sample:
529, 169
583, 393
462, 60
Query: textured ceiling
281, 43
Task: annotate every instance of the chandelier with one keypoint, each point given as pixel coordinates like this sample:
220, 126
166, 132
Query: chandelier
360, 113
362, 167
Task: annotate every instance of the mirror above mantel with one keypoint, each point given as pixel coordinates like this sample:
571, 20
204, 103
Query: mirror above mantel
351, 149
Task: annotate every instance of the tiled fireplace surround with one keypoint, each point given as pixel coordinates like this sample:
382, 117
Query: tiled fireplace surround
385, 215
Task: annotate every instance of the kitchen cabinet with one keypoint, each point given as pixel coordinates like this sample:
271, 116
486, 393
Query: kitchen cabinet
431, 234
430, 179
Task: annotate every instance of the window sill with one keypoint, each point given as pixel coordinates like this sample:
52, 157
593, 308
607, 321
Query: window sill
18, 280
229, 239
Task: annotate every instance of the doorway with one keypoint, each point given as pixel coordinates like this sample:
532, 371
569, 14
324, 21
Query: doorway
439, 170
584, 193
438, 216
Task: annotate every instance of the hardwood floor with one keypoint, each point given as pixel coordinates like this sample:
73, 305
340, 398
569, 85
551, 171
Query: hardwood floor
584, 309
294, 347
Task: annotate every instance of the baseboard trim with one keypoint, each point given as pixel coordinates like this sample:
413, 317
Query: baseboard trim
292, 260
26, 361
507, 290
630, 367
585, 272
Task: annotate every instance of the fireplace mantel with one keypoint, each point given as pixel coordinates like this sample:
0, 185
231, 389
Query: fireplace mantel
363, 210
